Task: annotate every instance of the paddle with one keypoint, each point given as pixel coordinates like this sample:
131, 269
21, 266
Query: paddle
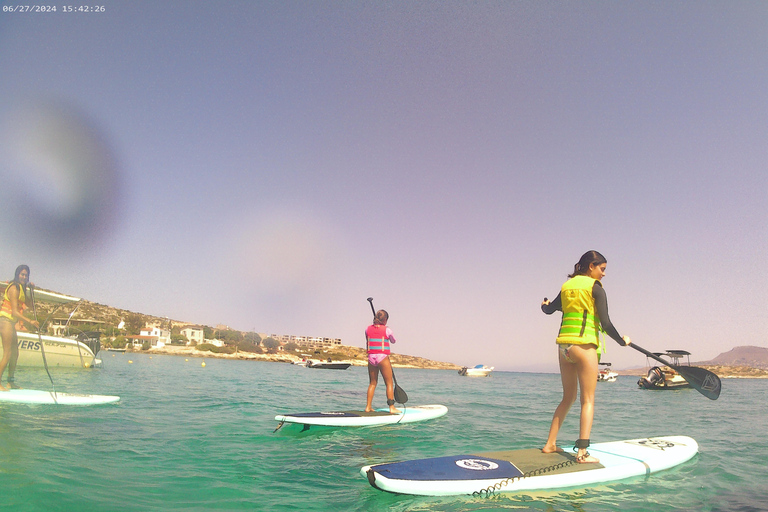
40, 338
400, 395
703, 381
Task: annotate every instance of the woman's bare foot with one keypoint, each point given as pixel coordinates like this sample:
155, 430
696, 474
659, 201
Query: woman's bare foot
551, 449
392, 410
586, 458
3, 388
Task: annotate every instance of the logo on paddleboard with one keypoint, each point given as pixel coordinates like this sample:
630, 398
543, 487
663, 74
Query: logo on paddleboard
476, 464
656, 444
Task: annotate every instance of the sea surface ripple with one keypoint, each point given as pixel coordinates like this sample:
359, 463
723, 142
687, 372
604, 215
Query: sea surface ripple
197, 438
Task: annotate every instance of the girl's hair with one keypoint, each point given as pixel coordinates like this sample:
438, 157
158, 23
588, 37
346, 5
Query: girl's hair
589, 257
381, 317
18, 271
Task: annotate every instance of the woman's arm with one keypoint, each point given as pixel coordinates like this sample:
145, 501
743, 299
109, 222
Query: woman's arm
550, 307
601, 306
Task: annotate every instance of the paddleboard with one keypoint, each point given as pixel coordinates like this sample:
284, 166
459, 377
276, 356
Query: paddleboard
362, 418
33, 396
525, 470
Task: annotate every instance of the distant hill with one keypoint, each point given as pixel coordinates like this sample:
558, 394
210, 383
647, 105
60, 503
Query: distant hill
753, 357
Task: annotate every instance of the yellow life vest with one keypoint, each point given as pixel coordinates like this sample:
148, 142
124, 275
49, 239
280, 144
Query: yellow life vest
6, 307
580, 324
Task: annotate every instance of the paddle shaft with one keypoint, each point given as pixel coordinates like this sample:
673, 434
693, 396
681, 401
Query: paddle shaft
40, 339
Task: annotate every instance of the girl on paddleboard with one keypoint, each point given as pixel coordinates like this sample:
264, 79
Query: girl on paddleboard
16, 298
585, 313
377, 340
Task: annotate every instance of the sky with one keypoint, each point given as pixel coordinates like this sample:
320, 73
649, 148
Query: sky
270, 165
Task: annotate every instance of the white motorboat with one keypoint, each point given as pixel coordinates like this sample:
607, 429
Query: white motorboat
479, 370
606, 374
665, 377
59, 351
327, 365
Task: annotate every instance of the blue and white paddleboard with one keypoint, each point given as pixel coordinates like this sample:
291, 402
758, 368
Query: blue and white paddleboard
33, 396
519, 470
364, 419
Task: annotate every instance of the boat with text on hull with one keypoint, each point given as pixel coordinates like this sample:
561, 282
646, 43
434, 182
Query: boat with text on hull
59, 352
65, 352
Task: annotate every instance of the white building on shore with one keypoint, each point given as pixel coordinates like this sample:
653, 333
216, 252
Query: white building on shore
156, 337
307, 341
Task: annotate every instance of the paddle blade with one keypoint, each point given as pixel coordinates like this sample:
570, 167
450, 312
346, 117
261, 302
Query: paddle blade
400, 395
703, 381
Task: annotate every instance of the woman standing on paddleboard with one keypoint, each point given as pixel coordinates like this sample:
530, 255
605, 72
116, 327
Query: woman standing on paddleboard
377, 340
585, 313
15, 299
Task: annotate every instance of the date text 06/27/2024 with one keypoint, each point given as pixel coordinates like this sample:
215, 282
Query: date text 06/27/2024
52, 8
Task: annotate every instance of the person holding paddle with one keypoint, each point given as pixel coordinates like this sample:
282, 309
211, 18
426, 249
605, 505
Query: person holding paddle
377, 341
585, 313
15, 299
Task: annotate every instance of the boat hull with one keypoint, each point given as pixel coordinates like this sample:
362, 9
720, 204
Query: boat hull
667, 384
329, 366
59, 352
477, 371
607, 376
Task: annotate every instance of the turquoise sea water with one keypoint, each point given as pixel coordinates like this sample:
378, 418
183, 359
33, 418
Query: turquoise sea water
188, 437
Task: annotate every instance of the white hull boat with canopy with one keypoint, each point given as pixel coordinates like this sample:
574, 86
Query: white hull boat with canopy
59, 351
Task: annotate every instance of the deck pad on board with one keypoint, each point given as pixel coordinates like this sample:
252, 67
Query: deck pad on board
340, 414
529, 469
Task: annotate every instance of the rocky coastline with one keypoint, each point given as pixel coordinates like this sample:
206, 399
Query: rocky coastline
356, 356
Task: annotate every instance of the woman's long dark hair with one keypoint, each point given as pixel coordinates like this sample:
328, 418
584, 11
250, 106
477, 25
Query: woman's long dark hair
16, 276
589, 257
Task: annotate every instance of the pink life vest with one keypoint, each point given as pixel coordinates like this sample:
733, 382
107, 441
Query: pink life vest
378, 339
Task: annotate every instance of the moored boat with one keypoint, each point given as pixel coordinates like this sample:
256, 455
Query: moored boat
606, 374
665, 377
479, 370
59, 352
63, 352
329, 365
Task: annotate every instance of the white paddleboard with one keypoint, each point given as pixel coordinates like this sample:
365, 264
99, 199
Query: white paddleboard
33, 396
518, 470
364, 419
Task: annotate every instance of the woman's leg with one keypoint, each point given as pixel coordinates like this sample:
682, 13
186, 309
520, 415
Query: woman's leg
568, 376
587, 368
386, 371
7, 332
14, 359
373, 379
